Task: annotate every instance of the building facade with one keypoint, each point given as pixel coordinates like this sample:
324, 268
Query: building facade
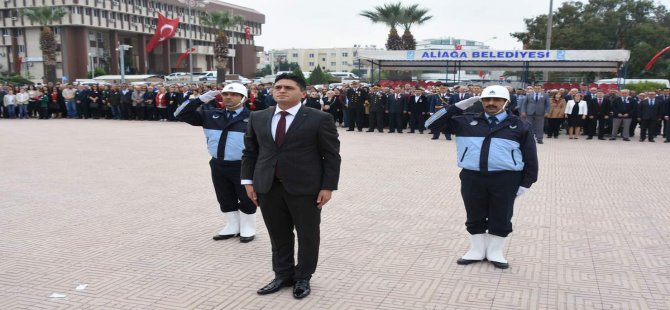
456, 76
89, 34
343, 59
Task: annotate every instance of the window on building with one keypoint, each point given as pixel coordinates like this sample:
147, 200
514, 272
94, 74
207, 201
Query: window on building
323, 59
456, 42
333, 63
333, 55
104, 14
311, 55
56, 30
311, 64
22, 48
469, 43
87, 11
77, 10
96, 12
295, 55
344, 63
345, 54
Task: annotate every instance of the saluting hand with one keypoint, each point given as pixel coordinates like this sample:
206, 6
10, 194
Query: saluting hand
323, 198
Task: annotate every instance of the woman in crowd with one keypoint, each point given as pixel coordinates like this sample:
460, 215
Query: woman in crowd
314, 101
575, 110
161, 104
556, 114
33, 101
94, 100
332, 105
44, 104
138, 102
114, 102
54, 106
105, 107
22, 101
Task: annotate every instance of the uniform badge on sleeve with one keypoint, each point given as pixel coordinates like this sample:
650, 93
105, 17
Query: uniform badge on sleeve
474, 123
246, 120
512, 126
215, 116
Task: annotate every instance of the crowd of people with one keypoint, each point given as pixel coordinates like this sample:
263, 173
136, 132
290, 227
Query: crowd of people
586, 111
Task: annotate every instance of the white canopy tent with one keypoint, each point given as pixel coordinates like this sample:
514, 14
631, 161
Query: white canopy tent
453, 61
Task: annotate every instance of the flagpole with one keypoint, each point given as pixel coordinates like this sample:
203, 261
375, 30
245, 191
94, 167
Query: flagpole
190, 43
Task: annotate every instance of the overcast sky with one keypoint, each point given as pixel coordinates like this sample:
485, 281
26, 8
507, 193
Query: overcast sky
323, 24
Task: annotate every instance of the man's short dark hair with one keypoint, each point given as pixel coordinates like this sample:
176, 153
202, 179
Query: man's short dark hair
296, 78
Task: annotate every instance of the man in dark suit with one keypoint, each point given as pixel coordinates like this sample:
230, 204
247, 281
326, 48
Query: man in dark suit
173, 101
356, 97
649, 112
290, 166
395, 105
377, 100
598, 109
622, 108
417, 107
440, 100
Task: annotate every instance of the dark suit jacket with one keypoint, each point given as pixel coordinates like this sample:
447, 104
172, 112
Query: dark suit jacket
357, 98
396, 105
415, 106
644, 111
309, 158
621, 107
455, 98
599, 111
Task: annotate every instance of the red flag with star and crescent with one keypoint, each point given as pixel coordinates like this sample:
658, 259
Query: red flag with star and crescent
165, 28
184, 55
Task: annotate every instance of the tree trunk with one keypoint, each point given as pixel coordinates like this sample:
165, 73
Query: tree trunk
220, 75
50, 74
221, 56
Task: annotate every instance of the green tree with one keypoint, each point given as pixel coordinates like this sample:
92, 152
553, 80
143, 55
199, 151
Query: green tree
263, 72
318, 76
637, 25
389, 15
297, 71
46, 16
220, 20
412, 15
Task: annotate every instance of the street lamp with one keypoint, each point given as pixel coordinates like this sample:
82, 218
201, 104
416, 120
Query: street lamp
90, 59
192, 4
122, 49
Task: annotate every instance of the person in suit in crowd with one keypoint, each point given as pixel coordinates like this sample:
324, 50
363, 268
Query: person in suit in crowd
599, 111
356, 97
396, 108
377, 100
535, 109
649, 112
417, 108
439, 100
290, 167
622, 108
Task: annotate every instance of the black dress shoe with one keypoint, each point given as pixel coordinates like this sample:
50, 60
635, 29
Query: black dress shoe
540, 142
626, 139
462, 261
246, 239
350, 130
360, 130
601, 138
275, 286
612, 139
369, 131
500, 265
301, 289
448, 139
589, 138
434, 138
666, 141
391, 131
224, 237
652, 140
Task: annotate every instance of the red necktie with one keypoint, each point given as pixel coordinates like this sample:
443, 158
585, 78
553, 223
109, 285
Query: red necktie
280, 133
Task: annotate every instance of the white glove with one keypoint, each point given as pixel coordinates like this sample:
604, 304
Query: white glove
522, 190
209, 96
464, 104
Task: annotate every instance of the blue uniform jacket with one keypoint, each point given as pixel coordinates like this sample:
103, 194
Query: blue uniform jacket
509, 146
225, 140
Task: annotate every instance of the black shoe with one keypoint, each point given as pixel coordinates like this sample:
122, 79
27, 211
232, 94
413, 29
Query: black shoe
612, 139
370, 130
589, 138
420, 131
391, 131
275, 286
448, 139
540, 142
666, 141
626, 139
360, 130
399, 131
601, 138
641, 140
350, 130
411, 131
434, 138
462, 261
500, 265
301, 289
224, 237
652, 140
246, 239
380, 130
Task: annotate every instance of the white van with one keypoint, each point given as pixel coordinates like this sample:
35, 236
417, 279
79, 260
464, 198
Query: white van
208, 76
345, 75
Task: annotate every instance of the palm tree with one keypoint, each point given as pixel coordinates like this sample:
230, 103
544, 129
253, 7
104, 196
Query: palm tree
409, 16
45, 16
388, 14
220, 21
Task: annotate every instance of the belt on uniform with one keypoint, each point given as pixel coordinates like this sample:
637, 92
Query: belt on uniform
223, 162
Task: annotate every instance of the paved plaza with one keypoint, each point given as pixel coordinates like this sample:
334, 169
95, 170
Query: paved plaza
120, 215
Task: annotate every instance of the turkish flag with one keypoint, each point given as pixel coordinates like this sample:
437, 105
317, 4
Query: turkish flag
184, 55
459, 47
247, 32
165, 29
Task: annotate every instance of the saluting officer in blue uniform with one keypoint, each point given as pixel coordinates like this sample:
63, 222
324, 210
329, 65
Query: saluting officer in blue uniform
499, 159
224, 129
